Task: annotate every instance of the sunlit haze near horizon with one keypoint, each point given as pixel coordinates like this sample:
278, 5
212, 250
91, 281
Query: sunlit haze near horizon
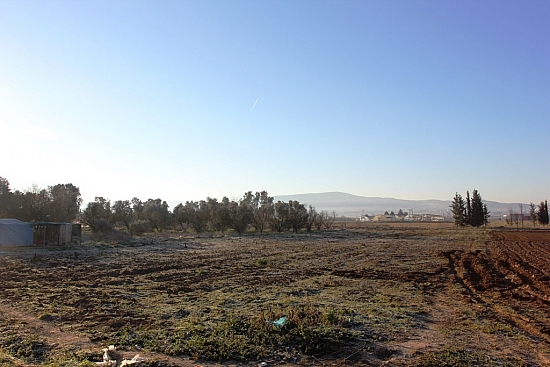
183, 100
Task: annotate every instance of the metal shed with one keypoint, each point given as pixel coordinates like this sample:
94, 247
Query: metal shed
15, 232
54, 233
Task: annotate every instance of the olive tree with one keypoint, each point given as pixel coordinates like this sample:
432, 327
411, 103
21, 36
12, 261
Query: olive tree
264, 209
241, 213
123, 213
65, 201
137, 208
157, 214
34, 204
97, 214
298, 215
197, 214
219, 214
180, 215
6, 199
311, 218
280, 220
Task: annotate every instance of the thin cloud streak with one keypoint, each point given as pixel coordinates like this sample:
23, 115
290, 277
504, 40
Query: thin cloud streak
253, 106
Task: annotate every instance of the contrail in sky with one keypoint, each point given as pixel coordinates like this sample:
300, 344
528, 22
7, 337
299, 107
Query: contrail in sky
253, 106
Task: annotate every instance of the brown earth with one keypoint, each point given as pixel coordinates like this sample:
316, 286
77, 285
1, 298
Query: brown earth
410, 293
512, 276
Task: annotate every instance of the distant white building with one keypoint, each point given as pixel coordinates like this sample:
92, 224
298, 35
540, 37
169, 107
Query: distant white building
364, 218
437, 218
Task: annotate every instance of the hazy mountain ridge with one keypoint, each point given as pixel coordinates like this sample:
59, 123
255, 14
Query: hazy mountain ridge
350, 205
354, 205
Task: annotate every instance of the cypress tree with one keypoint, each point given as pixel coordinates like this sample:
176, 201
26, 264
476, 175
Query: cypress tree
468, 215
542, 213
471, 212
477, 216
458, 209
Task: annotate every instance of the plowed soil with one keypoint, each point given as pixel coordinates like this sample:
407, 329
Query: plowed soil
408, 296
512, 275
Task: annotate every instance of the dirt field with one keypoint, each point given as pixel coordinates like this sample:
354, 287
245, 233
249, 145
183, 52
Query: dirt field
375, 295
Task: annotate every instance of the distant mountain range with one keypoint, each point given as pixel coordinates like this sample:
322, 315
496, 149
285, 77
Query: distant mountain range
352, 205
349, 205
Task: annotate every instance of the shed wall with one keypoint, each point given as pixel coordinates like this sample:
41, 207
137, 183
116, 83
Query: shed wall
14, 232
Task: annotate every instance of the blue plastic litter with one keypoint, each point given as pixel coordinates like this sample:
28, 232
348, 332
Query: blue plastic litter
280, 322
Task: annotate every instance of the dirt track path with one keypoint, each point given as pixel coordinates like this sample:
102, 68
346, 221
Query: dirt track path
59, 338
56, 336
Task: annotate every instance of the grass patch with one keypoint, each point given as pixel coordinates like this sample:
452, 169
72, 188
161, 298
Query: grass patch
308, 330
29, 348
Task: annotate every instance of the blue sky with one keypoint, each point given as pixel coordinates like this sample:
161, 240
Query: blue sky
154, 99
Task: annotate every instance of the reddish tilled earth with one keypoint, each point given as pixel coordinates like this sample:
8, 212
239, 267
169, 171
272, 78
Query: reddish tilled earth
513, 274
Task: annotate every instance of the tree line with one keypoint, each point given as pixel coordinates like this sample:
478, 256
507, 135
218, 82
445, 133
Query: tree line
472, 212
537, 214
258, 210
61, 203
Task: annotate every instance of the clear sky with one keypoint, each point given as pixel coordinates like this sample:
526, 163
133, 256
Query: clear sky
181, 100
